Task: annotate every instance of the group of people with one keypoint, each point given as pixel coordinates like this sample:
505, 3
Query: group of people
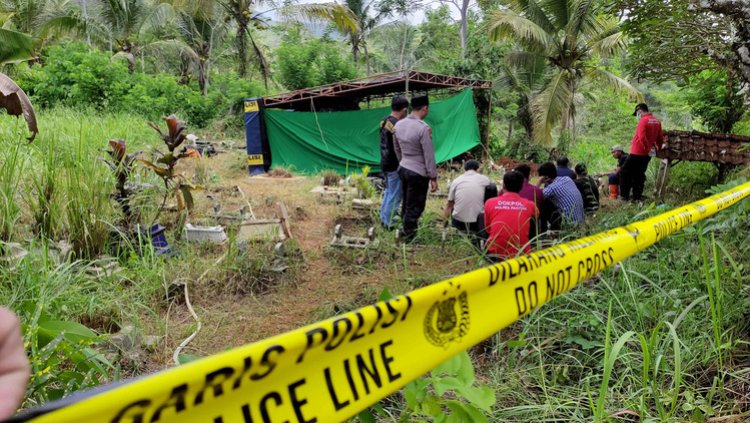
630, 173
508, 219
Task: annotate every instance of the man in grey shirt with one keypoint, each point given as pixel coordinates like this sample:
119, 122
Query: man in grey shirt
466, 198
417, 167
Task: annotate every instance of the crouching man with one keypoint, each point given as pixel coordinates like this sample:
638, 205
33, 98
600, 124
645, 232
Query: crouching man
507, 219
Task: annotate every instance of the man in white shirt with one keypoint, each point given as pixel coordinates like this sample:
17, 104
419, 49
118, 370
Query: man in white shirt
466, 199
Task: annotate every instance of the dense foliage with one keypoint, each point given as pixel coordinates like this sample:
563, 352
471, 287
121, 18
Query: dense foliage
74, 76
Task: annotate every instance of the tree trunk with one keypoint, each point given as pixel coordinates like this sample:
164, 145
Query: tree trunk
184, 71
367, 59
464, 28
569, 114
203, 75
242, 48
353, 39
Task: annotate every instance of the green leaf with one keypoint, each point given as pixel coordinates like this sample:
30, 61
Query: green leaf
470, 413
449, 366
15, 46
158, 169
166, 159
465, 369
516, 344
366, 416
483, 397
187, 358
385, 295
460, 414
71, 331
187, 196
444, 384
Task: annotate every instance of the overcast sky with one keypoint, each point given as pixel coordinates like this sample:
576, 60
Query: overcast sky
414, 18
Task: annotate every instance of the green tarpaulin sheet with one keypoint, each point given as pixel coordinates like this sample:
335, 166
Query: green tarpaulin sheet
347, 141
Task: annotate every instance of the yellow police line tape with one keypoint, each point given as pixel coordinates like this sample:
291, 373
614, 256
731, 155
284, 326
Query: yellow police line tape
331, 370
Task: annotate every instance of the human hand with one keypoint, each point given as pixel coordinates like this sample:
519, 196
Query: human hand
14, 366
433, 185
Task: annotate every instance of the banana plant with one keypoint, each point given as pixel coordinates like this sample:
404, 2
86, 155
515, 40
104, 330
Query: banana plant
16, 46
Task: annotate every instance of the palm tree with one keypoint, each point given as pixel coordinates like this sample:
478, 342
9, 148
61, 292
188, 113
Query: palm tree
572, 36
246, 19
524, 78
15, 46
369, 15
200, 31
243, 14
397, 44
118, 24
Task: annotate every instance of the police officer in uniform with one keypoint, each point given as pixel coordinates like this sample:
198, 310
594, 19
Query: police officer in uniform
417, 167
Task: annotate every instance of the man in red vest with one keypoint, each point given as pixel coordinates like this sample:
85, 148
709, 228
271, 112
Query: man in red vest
648, 136
507, 219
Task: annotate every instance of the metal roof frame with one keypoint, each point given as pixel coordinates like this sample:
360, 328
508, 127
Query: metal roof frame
379, 85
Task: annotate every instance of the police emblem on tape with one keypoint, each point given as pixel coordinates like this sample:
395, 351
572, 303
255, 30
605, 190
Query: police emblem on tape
447, 320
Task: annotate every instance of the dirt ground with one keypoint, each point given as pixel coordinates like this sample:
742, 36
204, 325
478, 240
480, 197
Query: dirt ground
328, 280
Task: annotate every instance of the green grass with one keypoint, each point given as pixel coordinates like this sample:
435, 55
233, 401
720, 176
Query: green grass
664, 337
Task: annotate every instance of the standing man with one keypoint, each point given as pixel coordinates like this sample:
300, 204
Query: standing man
507, 219
648, 135
466, 199
614, 178
417, 168
389, 162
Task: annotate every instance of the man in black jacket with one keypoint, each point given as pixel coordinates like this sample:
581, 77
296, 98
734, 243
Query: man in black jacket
389, 162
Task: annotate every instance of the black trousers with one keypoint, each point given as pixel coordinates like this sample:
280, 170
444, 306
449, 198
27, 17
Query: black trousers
414, 186
633, 176
550, 217
475, 230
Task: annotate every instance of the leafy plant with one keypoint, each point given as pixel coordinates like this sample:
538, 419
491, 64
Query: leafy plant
63, 358
449, 394
16, 46
175, 184
363, 185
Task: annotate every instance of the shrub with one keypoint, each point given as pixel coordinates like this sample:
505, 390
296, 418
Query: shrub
76, 77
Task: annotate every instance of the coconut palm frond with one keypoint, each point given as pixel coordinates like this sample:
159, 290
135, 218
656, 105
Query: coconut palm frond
154, 17
584, 19
61, 17
174, 46
341, 16
15, 46
609, 43
559, 11
550, 105
534, 11
265, 69
614, 82
17, 103
506, 24
522, 59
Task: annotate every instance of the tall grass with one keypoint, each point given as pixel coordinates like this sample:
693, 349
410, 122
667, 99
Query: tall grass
11, 172
676, 311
